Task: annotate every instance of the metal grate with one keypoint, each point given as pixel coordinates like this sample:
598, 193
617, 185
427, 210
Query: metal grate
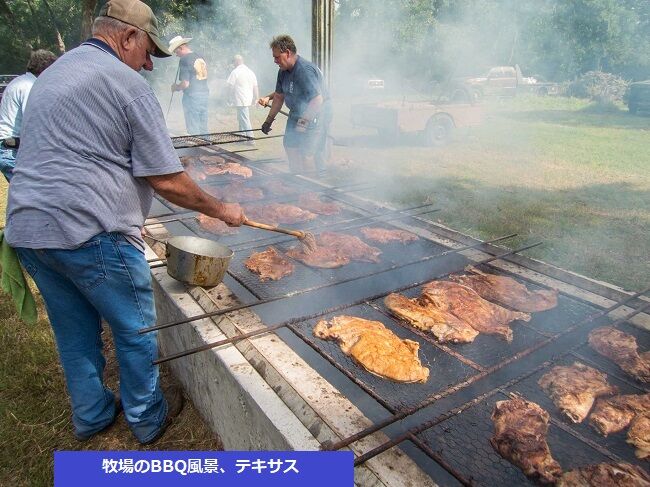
186, 141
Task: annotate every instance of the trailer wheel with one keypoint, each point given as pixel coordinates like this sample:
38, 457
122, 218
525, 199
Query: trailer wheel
437, 133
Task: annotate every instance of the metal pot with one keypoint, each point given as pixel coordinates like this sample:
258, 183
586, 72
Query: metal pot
197, 261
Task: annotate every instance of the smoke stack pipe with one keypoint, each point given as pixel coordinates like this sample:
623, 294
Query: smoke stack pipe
322, 15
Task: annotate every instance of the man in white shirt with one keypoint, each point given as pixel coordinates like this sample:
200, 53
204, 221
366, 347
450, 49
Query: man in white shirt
243, 86
12, 107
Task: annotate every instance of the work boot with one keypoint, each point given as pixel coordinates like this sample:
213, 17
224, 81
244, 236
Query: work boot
118, 411
175, 401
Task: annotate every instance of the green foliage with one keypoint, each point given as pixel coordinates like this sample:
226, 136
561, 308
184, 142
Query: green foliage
604, 88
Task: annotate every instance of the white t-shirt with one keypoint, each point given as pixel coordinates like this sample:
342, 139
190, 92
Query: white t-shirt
13, 104
244, 81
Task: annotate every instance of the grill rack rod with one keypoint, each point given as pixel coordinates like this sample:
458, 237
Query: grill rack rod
302, 291
407, 412
333, 309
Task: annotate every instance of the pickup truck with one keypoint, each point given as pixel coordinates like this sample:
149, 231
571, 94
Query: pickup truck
502, 81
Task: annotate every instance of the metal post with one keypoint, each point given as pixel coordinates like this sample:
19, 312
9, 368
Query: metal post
322, 17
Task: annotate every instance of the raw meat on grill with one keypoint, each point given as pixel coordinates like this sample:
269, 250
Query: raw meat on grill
520, 429
236, 192
228, 168
639, 435
384, 235
350, 246
464, 303
214, 225
440, 323
278, 188
621, 348
323, 257
376, 348
507, 291
275, 213
312, 202
574, 389
269, 264
605, 475
614, 414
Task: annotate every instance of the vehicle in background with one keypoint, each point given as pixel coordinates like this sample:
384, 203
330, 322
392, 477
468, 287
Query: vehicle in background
638, 97
5, 79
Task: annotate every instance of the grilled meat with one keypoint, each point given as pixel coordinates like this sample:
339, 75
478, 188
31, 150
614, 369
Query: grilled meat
639, 434
520, 429
236, 192
440, 323
507, 291
214, 225
312, 202
269, 264
278, 188
323, 257
606, 475
228, 168
616, 413
350, 246
376, 348
275, 213
621, 348
464, 303
574, 389
384, 235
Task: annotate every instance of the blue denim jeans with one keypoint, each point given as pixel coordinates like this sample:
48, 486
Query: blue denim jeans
7, 162
195, 108
108, 278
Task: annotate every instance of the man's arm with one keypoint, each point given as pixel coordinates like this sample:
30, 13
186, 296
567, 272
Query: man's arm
180, 86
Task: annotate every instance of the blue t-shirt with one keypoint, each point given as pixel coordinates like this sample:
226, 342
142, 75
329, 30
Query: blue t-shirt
300, 85
192, 68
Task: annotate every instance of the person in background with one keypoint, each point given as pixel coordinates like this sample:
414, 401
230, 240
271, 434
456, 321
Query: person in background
94, 149
301, 86
193, 82
244, 90
12, 108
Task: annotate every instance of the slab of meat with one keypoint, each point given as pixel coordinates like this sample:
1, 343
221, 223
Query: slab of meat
212, 159
228, 168
440, 323
639, 435
520, 429
384, 235
507, 291
574, 389
621, 348
236, 192
193, 167
269, 264
214, 225
616, 413
606, 475
278, 188
464, 303
350, 246
376, 348
323, 257
275, 213
312, 202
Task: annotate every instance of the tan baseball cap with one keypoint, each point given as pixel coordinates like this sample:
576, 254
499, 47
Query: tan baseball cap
137, 14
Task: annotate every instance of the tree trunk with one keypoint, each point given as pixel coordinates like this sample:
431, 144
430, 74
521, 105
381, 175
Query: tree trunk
87, 17
59, 37
7, 14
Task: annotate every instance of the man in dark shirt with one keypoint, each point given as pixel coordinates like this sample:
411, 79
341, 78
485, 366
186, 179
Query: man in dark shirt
193, 82
302, 87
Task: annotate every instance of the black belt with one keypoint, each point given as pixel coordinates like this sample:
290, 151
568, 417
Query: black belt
11, 143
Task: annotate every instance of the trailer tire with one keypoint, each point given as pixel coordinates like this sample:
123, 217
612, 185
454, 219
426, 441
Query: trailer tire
438, 131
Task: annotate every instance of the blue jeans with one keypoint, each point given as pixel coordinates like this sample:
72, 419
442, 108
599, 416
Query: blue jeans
244, 120
195, 108
108, 278
7, 162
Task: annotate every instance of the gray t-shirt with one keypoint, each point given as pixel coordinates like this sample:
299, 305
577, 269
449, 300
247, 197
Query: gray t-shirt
92, 130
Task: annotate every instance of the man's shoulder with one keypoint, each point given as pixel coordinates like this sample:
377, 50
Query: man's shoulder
25, 80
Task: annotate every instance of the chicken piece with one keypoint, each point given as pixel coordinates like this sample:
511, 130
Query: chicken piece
440, 323
605, 475
214, 225
350, 246
639, 435
275, 213
507, 291
228, 168
621, 348
464, 303
376, 348
236, 192
278, 188
616, 413
520, 429
323, 257
384, 235
269, 264
574, 389
312, 202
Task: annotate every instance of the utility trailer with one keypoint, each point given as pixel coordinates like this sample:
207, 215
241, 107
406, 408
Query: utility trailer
435, 121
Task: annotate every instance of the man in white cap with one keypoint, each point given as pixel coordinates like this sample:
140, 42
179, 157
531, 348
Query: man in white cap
94, 148
193, 82
243, 85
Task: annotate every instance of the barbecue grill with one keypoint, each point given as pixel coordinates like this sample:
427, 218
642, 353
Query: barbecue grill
442, 427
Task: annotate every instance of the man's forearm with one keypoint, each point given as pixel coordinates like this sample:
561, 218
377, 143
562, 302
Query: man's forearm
278, 100
181, 190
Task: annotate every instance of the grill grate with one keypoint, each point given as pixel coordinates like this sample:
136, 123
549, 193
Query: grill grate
187, 141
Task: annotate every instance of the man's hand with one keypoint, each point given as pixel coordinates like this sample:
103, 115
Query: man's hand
264, 101
266, 126
232, 214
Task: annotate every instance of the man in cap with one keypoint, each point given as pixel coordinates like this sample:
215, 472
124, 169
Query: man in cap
93, 151
301, 86
193, 82
12, 108
243, 86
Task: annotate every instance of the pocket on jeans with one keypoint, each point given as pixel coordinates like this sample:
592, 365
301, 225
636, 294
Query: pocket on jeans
84, 266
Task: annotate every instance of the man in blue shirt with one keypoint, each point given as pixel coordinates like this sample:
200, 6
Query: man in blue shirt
301, 86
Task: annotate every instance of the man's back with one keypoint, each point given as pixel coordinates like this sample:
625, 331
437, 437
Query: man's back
12, 107
243, 80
